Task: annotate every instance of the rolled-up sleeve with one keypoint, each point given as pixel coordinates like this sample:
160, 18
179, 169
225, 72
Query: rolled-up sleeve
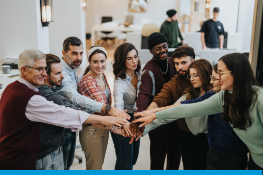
119, 90
39, 109
73, 95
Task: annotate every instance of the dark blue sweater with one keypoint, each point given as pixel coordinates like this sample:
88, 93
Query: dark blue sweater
221, 136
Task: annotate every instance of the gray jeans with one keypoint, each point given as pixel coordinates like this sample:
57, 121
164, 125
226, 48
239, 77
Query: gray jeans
53, 161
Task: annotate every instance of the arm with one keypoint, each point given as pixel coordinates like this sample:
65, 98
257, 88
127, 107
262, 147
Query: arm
203, 41
118, 94
145, 94
221, 41
39, 109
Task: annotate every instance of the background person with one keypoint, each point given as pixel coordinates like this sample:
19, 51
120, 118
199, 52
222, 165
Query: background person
212, 32
171, 31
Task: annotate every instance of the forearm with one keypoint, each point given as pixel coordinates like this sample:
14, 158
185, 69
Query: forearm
108, 127
203, 39
153, 105
221, 41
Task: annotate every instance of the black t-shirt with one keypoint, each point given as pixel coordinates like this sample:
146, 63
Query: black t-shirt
212, 31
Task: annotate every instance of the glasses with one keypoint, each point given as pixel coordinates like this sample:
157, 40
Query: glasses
213, 78
40, 69
194, 76
222, 73
130, 59
158, 49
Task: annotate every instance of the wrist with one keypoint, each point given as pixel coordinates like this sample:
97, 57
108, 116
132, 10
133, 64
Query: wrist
103, 108
112, 128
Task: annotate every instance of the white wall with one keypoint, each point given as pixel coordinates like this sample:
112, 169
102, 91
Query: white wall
245, 22
118, 9
69, 20
228, 13
21, 27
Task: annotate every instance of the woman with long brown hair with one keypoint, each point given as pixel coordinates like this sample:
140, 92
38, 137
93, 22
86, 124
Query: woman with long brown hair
127, 71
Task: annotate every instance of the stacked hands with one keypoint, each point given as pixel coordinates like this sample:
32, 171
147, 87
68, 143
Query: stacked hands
134, 129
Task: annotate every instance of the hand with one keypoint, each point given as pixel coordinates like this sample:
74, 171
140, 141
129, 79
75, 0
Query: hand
145, 113
145, 120
204, 47
119, 131
127, 130
183, 42
221, 48
110, 120
118, 113
139, 134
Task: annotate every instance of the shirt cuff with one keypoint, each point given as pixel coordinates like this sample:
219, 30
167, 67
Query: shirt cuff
82, 117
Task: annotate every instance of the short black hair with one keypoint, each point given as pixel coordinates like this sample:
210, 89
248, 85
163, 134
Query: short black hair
184, 51
50, 59
216, 10
71, 41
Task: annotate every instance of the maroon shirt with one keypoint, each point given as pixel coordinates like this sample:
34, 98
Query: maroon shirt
19, 137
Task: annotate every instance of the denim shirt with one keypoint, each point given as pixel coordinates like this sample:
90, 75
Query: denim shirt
125, 94
69, 89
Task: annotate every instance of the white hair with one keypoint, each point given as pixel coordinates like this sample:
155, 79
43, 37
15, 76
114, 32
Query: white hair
28, 58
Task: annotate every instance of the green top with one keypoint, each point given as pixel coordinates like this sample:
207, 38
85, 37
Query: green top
252, 137
171, 31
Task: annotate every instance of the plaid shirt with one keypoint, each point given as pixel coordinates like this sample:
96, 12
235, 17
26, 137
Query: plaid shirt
89, 87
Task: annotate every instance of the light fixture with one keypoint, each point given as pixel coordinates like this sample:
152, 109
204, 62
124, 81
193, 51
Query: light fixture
84, 4
46, 12
207, 5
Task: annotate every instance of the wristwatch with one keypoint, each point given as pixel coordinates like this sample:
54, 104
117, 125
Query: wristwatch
107, 108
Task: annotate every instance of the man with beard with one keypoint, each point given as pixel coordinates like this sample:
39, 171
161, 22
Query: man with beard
183, 56
50, 156
158, 71
72, 58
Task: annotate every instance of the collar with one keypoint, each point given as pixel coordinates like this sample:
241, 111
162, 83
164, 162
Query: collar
67, 68
129, 78
29, 85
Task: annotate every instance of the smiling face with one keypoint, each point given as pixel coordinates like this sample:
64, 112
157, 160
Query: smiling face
194, 78
215, 81
160, 51
226, 79
132, 60
98, 63
73, 57
34, 76
182, 65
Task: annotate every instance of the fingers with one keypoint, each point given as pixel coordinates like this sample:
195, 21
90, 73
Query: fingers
143, 124
131, 141
138, 120
137, 114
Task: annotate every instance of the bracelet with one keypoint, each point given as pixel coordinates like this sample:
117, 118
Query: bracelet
112, 128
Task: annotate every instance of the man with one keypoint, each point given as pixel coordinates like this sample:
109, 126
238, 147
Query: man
170, 93
212, 32
171, 31
50, 156
158, 71
72, 59
22, 108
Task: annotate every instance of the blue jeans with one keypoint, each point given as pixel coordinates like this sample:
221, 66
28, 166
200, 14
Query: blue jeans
69, 148
53, 161
127, 154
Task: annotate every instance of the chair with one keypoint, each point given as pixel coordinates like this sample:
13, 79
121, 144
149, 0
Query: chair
147, 30
129, 19
105, 19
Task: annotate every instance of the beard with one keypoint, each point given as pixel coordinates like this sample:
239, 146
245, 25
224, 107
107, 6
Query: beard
182, 75
71, 63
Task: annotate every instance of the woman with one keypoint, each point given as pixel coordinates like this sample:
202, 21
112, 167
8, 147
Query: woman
193, 138
94, 139
240, 102
126, 68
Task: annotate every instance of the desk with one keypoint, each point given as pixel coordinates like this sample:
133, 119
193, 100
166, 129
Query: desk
121, 28
6, 81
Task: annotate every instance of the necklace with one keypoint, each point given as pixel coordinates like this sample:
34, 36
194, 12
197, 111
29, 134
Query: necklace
166, 69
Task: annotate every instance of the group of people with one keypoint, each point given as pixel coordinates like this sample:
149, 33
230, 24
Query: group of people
208, 115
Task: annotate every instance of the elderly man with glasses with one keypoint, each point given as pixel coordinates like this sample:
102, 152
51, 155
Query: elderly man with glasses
22, 108
158, 71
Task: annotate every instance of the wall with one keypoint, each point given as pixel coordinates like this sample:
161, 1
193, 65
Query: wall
69, 20
245, 21
228, 13
156, 11
21, 27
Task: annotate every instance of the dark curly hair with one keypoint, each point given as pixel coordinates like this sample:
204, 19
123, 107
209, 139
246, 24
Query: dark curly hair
204, 70
184, 51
